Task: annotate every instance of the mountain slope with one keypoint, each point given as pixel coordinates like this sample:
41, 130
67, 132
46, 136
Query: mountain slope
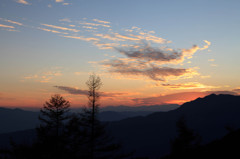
226, 147
151, 135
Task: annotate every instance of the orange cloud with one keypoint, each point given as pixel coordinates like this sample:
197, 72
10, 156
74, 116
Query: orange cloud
94, 24
53, 31
211, 60
61, 28
7, 26
101, 21
107, 36
190, 85
44, 77
11, 21
23, 2
106, 45
59, 1
189, 52
82, 38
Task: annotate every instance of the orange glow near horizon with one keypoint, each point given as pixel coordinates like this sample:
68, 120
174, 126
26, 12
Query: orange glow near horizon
81, 101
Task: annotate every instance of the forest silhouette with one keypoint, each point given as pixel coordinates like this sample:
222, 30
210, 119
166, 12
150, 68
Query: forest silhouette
63, 135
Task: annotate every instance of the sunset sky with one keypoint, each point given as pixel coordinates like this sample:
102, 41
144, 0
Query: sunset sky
145, 51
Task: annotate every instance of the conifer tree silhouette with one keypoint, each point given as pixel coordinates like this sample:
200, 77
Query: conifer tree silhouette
186, 140
52, 139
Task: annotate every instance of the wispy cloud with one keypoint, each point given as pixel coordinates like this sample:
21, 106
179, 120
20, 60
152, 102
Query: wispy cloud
66, 4
59, 1
49, 30
81, 38
95, 24
109, 37
105, 45
89, 27
11, 21
190, 85
61, 28
44, 77
65, 20
190, 52
214, 65
6, 26
101, 21
211, 60
76, 91
23, 2
149, 37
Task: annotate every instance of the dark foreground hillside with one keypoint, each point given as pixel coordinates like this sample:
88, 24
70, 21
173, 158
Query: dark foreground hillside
151, 135
226, 147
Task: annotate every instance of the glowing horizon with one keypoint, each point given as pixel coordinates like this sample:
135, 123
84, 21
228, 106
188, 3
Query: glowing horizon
153, 53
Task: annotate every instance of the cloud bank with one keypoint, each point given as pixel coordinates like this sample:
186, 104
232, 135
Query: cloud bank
147, 61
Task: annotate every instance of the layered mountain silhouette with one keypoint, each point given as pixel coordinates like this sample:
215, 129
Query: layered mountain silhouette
151, 135
19, 119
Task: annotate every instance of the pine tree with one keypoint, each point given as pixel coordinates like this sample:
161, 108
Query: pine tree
186, 140
52, 138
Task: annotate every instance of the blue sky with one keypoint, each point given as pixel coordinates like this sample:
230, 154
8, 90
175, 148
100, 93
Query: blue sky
47, 43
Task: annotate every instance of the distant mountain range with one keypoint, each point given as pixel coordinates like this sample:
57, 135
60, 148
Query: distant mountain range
152, 108
151, 135
18, 119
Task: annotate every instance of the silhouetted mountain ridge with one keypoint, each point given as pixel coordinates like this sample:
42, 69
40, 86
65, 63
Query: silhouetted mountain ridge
151, 135
151, 108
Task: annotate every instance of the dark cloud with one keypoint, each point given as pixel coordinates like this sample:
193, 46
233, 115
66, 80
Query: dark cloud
144, 60
72, 90
75, 91
149, 53
237, 90
138, 68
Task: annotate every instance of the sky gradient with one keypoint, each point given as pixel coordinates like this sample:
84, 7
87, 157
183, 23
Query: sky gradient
146, 52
